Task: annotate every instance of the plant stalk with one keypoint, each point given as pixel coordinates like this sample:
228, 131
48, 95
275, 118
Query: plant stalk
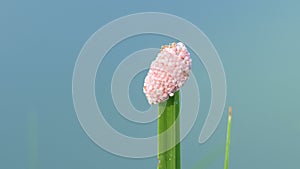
228, 139
168, 113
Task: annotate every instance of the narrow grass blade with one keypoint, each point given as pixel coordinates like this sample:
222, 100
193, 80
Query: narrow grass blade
228, 139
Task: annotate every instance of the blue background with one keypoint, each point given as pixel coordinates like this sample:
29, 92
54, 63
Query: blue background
258, 42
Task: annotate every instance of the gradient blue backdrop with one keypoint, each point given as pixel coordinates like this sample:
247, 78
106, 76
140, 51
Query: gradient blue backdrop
258, 42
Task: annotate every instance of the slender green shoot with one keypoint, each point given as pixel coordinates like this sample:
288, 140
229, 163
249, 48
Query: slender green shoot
228, 138
168, 112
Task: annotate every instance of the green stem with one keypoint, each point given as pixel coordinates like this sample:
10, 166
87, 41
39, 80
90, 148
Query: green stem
228, 139
168, 112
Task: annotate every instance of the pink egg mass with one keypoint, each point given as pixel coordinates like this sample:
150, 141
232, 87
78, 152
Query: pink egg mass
167, 73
